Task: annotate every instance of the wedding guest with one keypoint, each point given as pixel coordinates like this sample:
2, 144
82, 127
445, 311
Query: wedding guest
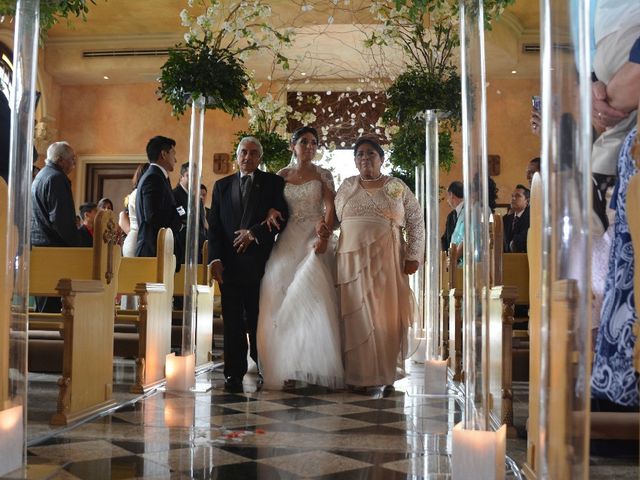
532, 167
53, 213
239, 246
105, 204
298, 327
88, 213
373, 267
455, 195
155, 204
516, 223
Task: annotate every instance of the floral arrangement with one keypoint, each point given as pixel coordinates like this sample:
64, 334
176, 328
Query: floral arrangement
394, 188
51, 11
427, 33
220, 37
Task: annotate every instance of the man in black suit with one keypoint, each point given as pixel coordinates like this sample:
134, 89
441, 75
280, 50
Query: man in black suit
155, 204
181, 195
516, 224
239, 246
455, 196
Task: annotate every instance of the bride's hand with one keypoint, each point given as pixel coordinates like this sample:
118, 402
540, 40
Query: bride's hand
272, 219
320, 245
322, 229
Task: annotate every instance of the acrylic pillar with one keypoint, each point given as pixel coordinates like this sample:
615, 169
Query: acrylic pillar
565, 340
476, 213
14, 244
435, 368
182, 368
417, 283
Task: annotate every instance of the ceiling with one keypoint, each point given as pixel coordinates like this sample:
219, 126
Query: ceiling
328, 41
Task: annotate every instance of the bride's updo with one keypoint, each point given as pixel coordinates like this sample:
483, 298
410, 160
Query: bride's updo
301, 131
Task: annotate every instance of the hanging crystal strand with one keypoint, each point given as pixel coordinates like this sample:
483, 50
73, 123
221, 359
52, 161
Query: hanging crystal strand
432, 258
565, 340
476, 213
193, 226
15, 271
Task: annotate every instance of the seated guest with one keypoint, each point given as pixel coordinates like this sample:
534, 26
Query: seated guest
516, 224
88, 213
203, 197
455, 197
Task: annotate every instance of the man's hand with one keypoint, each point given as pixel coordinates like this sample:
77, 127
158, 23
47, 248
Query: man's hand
243, 240
411, 266
272, 219
603, 115
215, 270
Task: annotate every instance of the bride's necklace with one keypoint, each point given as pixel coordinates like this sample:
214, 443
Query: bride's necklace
371, 179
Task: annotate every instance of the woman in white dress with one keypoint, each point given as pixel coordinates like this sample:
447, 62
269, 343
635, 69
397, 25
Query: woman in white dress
130, 302
298, 331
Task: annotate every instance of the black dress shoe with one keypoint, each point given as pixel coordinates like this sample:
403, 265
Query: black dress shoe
233, 385
260, 379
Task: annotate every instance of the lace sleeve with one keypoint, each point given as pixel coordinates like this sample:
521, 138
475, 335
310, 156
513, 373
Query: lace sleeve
327, 178
414, 225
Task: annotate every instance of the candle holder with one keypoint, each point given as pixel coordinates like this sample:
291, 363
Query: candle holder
435, 377
11, 438
478, 454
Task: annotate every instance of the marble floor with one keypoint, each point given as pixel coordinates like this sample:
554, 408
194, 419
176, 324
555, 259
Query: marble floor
303, 432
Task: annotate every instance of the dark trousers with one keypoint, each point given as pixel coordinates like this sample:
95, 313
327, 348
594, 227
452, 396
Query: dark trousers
240, 317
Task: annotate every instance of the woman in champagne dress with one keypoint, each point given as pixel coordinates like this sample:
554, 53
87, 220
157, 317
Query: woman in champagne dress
298, 332
374, 262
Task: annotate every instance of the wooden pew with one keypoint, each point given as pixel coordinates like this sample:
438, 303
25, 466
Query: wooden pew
151, 278
4, 300
443, 313
502, 299
86, 279
204, 310
455, 316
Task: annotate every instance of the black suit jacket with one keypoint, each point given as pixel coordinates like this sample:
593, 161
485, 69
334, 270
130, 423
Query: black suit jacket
156, 209
515, 240
53, 213
449, 227
182, 200
227, 217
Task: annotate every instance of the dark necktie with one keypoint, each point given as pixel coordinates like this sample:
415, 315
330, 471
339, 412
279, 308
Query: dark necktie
245, 188
514, 223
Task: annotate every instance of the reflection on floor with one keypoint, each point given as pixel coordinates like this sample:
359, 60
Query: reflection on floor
299, 433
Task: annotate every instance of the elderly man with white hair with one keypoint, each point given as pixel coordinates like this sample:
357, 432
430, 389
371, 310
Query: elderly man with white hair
239, 246
53, 213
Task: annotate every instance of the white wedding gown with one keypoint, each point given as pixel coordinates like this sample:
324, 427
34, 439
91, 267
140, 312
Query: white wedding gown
298, 331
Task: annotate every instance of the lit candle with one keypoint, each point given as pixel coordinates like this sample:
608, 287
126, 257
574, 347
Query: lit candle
478, 454
180, 372
11, 439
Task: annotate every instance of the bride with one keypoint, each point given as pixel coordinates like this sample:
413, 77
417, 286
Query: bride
298, 333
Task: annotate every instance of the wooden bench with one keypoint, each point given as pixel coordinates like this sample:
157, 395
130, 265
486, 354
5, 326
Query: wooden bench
204, 310
152, 280
86, 279
5, 308
455, 280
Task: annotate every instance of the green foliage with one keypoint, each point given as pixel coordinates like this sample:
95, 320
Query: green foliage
51, 11
198, 70
409, 146
276, 153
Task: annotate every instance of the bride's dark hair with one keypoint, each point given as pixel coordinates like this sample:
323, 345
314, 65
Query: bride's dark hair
301, 131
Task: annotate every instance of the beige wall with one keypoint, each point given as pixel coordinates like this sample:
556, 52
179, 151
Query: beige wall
120, 119
508, 112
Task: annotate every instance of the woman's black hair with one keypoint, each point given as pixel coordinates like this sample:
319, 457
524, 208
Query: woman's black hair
301, 131
371, 141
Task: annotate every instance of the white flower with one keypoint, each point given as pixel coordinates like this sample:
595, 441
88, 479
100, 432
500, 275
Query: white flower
394, 188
